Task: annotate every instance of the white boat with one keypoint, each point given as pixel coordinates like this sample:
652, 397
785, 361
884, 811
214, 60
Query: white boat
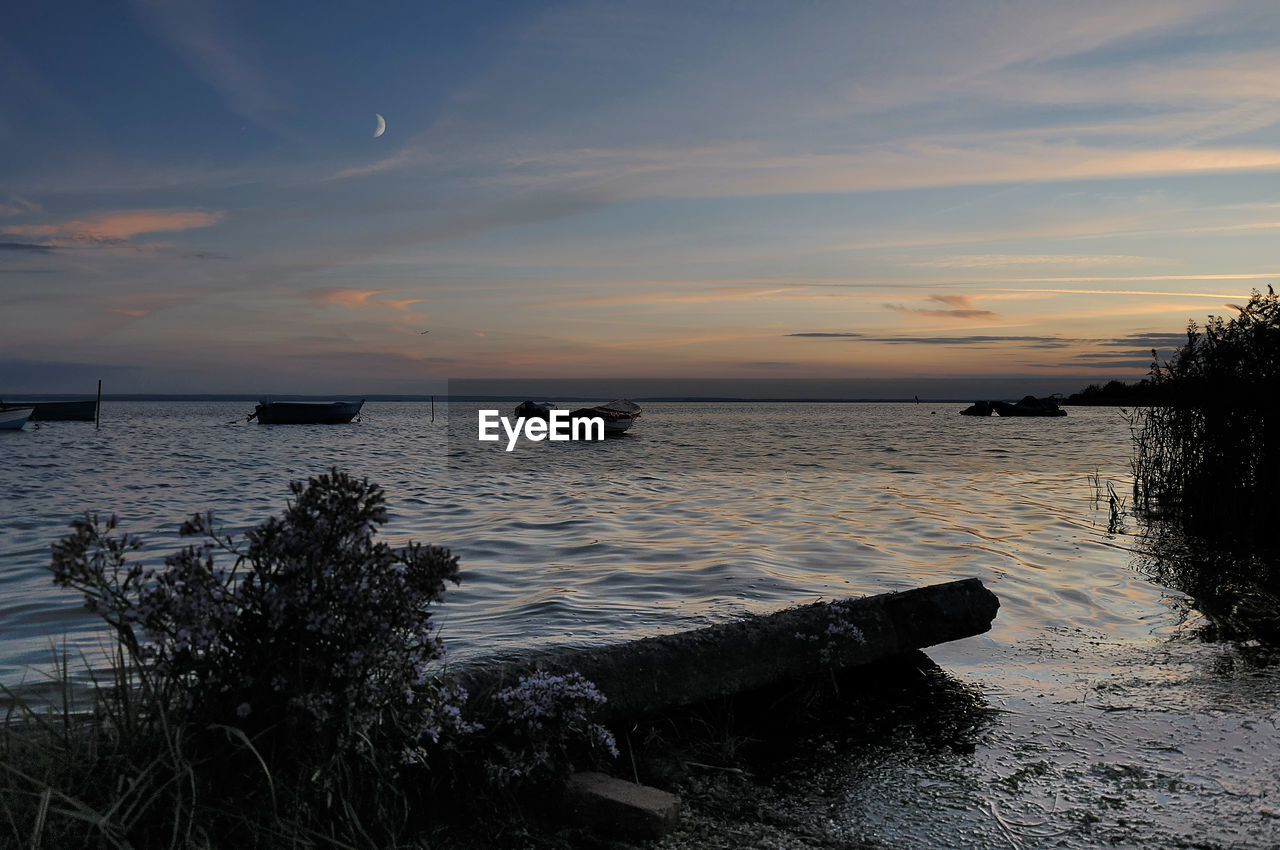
618, 415
13, 418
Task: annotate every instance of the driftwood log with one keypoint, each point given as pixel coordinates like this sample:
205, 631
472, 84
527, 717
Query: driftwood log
757, 651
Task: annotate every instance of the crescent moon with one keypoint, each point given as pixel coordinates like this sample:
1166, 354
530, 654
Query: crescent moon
381, 127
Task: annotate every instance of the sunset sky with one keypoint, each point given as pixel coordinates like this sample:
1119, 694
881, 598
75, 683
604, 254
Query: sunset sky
192, 198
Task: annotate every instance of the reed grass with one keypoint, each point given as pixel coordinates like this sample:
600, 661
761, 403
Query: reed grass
1207, 455
1206, 469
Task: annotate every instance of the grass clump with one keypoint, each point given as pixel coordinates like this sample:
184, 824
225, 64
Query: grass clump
1207, 456
281, 690
1207, 470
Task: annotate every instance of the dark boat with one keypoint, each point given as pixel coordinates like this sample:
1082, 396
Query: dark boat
1029, 406
306, 412
535, 409
618, 415
57, 411
978, 408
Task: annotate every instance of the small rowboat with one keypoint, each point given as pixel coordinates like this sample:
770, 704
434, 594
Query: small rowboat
618, 415
57, 411
13, 418
306, 412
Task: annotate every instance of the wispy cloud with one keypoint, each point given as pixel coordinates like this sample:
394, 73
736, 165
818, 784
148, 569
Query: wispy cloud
115, 227
352, 299
1148, 341
19, 206
988, 261
360, 299
961, 308
976, 339
756, 170
196, 33
409, 156
30, 247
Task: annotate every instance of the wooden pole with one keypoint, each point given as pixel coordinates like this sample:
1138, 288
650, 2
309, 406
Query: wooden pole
433, 408
97, 408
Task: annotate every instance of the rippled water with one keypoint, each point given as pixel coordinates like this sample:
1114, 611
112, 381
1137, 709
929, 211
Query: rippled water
700, 512
703, 510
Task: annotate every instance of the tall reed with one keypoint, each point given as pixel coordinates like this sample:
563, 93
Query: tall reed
1207, 454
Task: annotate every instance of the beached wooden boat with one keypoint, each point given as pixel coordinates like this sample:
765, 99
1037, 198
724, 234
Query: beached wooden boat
57, 411
306, 412
13, 418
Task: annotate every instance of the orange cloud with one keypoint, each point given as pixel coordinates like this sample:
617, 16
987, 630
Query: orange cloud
360, 299
401, 304
961, 308
352, 299
112, 227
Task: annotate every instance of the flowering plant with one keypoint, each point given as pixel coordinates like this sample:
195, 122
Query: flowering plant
313, 630
544, 723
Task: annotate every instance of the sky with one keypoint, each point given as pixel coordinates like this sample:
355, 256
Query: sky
887, 195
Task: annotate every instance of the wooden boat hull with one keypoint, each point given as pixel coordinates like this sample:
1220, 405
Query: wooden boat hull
58, 411
616, 421
306, 412
618, 415
13, 418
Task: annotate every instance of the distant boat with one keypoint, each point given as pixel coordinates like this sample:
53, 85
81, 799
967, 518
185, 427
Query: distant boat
57, 411
13, 418
1029, 406
306, 412
978, 408
535, 409
618, 415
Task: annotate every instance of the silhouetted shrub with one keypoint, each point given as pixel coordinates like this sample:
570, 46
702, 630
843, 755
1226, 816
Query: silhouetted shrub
279, 690
1208, 457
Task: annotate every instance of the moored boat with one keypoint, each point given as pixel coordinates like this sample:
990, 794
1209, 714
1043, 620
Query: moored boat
1029, 406
13, 418
618, 415
306, 412
57, 411
535, 409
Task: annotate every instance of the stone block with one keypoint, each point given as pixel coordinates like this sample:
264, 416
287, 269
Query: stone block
621, 809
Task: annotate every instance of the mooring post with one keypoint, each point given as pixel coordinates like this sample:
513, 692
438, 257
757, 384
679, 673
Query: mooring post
97, 408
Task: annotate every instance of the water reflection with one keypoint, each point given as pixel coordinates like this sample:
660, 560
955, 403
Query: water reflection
1235, 588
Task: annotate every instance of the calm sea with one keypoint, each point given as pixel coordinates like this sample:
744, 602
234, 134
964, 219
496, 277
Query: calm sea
704, 511
700, 512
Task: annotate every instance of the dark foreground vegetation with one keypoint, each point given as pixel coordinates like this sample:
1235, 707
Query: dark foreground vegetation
1207, 465
284, 690
1116, 394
